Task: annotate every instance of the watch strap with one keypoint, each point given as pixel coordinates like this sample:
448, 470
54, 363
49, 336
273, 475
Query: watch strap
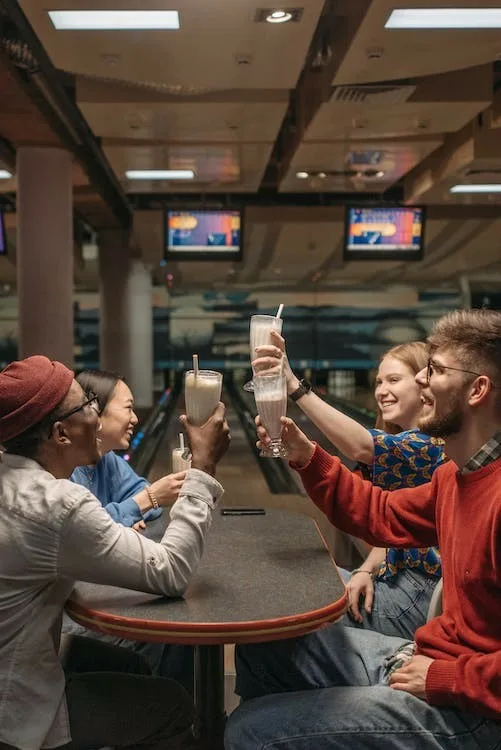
304, 388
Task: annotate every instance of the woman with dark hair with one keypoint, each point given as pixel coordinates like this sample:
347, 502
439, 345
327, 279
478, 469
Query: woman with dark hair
130, 500
395, 584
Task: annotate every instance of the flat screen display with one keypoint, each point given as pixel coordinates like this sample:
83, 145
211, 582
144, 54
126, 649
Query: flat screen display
385, 233
3, 235
204, 234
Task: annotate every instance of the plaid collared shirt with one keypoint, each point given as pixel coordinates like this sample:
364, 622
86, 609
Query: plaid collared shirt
486, 455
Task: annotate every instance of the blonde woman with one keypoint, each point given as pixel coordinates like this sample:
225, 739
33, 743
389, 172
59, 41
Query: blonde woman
394, 585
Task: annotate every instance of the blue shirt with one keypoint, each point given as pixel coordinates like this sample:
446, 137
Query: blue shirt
115, 484
407, 459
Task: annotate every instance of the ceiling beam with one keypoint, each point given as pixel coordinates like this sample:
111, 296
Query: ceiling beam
338, 23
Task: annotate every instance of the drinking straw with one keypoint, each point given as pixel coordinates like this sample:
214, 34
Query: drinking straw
181, 442
195, 365
279, 312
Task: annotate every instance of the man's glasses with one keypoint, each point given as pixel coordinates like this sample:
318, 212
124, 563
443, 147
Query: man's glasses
435, 367
91, 401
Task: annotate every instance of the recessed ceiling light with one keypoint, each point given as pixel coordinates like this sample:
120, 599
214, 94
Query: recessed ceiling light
479, 188
279, 16
160, 174
322, 175
5, 175
117, 20
380, 174
302, 175
444, 18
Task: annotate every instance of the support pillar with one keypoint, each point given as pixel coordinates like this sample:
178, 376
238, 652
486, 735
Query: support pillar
114, 266
45, 253
140, 372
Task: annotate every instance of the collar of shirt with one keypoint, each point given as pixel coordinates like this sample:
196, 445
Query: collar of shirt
486, 455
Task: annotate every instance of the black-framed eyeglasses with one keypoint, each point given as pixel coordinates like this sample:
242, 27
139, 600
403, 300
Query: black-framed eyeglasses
91, 401
432, 366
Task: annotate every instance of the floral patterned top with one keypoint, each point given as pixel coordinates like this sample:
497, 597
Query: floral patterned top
406, 460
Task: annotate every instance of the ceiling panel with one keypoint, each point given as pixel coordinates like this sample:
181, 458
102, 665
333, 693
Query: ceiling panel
410, 53
216, 167
181, 121
418, 119
389, 161
201, 55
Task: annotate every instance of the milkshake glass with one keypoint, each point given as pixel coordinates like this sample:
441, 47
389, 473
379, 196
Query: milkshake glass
270, 392
260, 327
178, 462
202, 394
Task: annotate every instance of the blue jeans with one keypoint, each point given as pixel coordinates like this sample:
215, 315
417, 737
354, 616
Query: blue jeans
327, 691
400, 604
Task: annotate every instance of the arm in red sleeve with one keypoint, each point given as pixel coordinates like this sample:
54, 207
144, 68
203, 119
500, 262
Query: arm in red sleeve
402, 518
471, 682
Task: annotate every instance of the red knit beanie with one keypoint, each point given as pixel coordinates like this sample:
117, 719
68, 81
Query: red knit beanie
29, 390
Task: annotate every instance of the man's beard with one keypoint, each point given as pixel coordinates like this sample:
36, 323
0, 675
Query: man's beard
447, 424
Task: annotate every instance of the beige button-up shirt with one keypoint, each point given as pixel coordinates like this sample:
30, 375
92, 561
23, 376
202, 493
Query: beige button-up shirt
52, 533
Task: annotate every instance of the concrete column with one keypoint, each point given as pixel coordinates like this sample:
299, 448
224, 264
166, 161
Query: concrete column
114, 267
45, 253
140, 372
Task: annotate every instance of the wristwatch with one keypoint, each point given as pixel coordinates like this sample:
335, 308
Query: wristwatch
304, 388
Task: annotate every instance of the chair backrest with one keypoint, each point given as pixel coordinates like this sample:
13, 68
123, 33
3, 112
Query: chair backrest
435, 607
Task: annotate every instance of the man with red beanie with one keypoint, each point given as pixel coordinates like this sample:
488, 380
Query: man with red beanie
54, 532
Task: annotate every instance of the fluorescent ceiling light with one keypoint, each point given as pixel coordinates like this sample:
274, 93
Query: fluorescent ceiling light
444, 18
160, 174
119, 20
479, 188
5, 175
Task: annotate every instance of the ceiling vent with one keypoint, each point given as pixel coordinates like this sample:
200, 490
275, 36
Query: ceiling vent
263, 13
372, 94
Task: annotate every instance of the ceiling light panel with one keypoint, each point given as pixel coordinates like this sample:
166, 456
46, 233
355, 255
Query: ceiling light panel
479, 188
114, 20
444, 18
5, 175
160, 174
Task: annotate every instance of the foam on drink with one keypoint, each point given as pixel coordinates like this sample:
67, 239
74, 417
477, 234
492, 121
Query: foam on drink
260, 328
202, 394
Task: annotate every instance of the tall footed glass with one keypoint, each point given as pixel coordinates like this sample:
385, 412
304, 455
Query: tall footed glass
270, 392
260, 327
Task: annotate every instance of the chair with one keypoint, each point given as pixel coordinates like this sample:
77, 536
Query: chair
435, 607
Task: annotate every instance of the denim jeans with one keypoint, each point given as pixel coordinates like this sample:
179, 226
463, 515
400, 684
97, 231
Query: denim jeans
400, 604
327, 691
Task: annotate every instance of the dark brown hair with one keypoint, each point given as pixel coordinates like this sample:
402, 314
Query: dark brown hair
101, 383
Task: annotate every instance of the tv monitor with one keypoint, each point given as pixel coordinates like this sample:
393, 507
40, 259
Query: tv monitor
3, 235
203, 234
384, 233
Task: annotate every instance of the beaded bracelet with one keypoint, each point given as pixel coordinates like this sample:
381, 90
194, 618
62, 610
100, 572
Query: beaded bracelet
152, 498
361, 570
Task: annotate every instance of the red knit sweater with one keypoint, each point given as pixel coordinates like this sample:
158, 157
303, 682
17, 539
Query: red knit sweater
462, 514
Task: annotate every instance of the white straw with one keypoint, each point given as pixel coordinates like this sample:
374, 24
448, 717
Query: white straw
279, 312
181, 442
195, 365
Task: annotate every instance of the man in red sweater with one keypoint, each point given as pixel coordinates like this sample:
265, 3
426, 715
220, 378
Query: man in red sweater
443, 690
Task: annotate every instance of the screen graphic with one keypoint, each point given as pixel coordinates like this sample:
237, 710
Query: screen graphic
203, 232
390, 229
